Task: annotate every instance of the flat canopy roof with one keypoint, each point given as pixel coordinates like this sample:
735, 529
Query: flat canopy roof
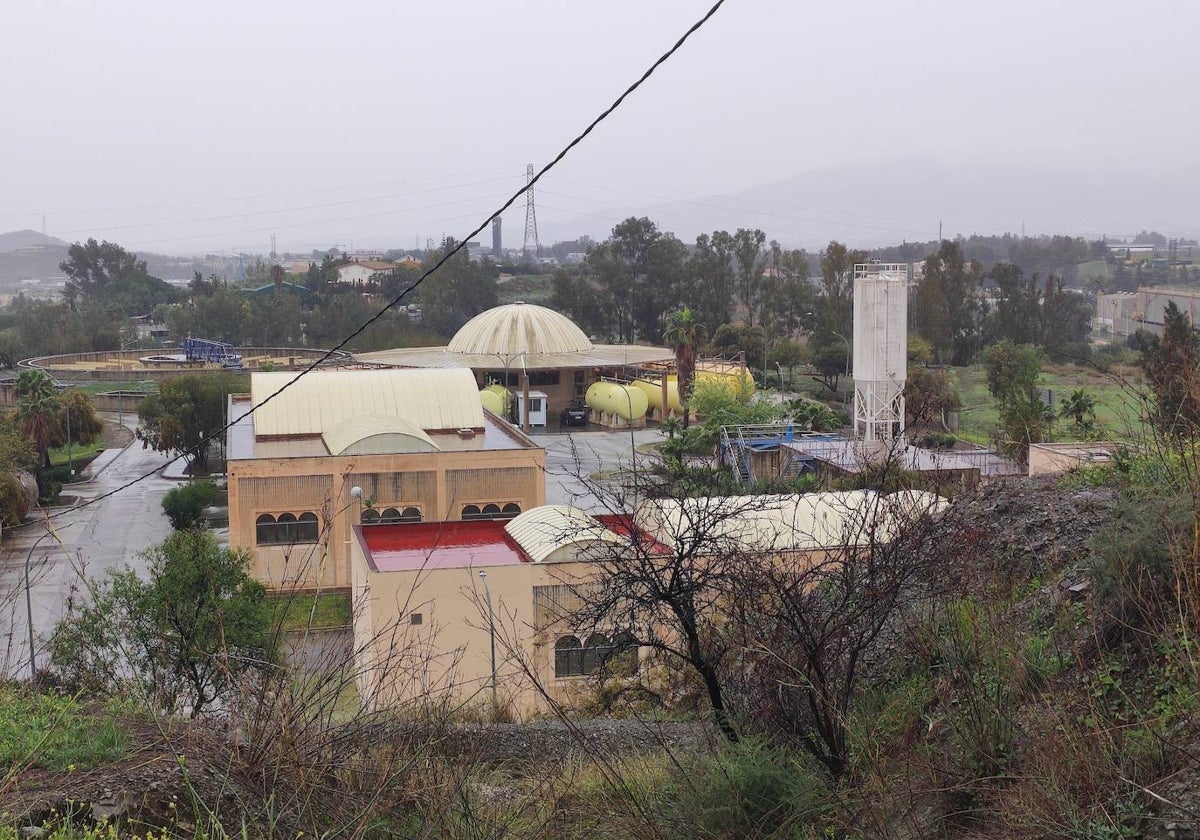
601, 355
440, 545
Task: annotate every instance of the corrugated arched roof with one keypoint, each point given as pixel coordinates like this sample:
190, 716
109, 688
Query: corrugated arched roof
518, 328
377, 434
432, 400
543, 531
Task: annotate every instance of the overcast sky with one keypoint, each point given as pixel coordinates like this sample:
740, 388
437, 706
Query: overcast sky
206, 127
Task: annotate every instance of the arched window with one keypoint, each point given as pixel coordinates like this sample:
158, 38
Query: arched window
595, 652
491, 511
285, 528
511, 509
410, 514
264, 529
568, 657
307, 529
370, 516
390, 516
471, 512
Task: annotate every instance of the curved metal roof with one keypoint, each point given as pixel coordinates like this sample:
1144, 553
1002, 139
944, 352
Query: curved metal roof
543, 531
517, 328
376, 434
431, 400
785, 523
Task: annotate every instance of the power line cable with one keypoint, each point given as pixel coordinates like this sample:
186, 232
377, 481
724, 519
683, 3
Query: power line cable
579, 138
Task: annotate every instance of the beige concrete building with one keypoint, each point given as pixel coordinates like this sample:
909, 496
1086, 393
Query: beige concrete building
341, 448
1052, 458
430, 599
526, 347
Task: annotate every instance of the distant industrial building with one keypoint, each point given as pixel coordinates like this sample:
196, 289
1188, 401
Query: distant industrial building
538, 352
1124, 313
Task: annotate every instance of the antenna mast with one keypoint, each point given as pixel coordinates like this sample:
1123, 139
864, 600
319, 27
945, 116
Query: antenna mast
531, 234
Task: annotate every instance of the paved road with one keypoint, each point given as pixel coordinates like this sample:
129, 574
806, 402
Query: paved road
89, 540
110, 534
580, 455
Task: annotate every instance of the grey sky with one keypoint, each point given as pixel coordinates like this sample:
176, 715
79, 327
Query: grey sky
208, 126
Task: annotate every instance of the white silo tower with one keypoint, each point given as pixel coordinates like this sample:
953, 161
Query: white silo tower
880, 349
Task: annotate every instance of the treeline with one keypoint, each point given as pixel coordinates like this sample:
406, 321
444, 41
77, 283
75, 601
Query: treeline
750, 294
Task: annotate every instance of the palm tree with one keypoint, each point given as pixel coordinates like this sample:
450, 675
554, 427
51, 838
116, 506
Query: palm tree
683, 334
1080, 405
37, 410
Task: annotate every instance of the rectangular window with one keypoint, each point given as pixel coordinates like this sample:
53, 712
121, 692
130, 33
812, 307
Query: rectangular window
416, 618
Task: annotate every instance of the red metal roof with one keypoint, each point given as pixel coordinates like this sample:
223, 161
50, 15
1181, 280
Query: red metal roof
441, 545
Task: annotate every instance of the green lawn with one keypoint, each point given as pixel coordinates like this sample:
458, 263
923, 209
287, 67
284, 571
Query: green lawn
1116, 411
79, 454
54, 733
305, 611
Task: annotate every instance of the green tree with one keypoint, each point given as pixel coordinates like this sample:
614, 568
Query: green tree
683, 334
1080, 406
183, 636
17, 455
187, 413
944, 308
37, 411
928, 393
1172, 366
1013, 373
457, 292
837, 288
732, 339
709, 285
184, 505
86, 426
747, 254
789, 300
93, 266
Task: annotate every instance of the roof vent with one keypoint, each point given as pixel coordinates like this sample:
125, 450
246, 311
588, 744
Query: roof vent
466, 433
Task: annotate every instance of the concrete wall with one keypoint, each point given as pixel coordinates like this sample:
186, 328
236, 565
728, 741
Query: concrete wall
1051, 458
447, 656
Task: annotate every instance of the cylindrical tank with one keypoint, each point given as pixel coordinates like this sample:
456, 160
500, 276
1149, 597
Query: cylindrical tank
881, 323
740, 384
653, 392
625, 401
497, 399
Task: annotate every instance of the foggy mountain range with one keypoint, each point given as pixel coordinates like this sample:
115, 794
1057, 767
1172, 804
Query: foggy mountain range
864, 206
886, 203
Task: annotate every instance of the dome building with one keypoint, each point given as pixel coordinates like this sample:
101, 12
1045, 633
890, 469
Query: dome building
533, 351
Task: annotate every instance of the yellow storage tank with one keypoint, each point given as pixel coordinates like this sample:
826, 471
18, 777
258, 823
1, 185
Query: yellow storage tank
736, 382
625, 401
653, 392
496, 399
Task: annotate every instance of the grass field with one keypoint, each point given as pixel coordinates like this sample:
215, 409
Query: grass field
54, 733
298, 612
1116, 409
79, 454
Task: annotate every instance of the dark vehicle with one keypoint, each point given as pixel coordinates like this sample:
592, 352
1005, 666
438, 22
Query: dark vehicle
576, 414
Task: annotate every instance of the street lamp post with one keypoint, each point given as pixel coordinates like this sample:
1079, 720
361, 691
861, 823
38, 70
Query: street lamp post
492, 633
29, 607
845, 341
780, 367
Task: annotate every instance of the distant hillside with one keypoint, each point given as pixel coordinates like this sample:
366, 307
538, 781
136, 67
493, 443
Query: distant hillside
904, 200
26, 255
20, 239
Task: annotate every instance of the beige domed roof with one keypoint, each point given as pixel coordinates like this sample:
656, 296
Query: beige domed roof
519, 328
